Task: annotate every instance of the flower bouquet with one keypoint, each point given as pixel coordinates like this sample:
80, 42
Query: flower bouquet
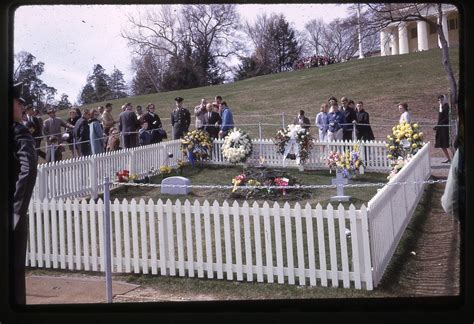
237, 146
196, 145
348, 163
398, 165
125, 176
294, 142
406, 139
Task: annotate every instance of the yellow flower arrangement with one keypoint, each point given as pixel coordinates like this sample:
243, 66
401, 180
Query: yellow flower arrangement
406, 139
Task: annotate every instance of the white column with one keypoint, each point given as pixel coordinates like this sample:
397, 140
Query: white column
394, 41
444, 24
403, 37
422, 35
384, 43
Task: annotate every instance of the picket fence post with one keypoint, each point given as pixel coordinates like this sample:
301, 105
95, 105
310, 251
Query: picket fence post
93, 177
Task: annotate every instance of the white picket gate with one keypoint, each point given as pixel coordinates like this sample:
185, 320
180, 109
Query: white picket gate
283, 244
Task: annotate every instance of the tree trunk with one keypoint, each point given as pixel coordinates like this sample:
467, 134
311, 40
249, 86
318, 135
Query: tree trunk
447, 66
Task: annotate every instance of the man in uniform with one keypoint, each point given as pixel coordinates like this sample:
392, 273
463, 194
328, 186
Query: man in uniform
25, 167
180, 119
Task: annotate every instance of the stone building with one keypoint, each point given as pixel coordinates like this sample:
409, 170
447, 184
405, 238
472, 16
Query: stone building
415, 36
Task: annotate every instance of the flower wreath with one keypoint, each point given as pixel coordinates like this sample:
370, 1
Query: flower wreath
348, 163
196, 145
406, 139
286, 139
237, 146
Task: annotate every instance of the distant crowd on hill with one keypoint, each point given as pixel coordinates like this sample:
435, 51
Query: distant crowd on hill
315, 61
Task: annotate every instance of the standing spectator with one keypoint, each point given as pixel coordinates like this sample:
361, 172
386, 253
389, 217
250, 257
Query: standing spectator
78, 112
52, 125
364, 131
200, 114
227, 120
154, 123
405, 115
73, 118
180, 119
441, 128
335, 121
25, 168
144, 135
139, 112
213, 120
128, 126
107, 119
113, 141
322, 122
101, 110
82, 134
55, 150
350, 119
302, 120
96, 133
38, 129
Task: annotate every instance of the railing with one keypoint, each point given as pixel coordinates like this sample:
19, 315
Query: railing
259, 243
391, 209
83, 176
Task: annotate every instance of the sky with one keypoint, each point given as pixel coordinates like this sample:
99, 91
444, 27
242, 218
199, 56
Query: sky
71, 39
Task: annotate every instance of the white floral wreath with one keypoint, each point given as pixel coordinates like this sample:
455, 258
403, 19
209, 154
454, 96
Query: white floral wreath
237, 146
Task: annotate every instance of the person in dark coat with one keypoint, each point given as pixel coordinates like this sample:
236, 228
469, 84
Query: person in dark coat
73, 118
212, 121
25, 168
38, 133
350, 117
302, 120
364, 131
81, 133
180, 119
128, 126
154, 123
442, 129
144, 134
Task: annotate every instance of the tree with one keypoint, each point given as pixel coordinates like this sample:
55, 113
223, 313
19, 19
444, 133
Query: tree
100, 81
87, 94
64, 102
35, 91
208, 30
117, 85
339, 39
315, 29
282, 40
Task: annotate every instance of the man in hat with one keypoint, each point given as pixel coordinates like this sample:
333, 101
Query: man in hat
52, 125
180, 119
25, 169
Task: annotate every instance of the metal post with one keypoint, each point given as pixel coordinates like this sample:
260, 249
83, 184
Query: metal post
283, 120
74, 152
260, 131
107, 247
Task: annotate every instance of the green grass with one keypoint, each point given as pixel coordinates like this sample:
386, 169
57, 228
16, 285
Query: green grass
220, 175
381, 82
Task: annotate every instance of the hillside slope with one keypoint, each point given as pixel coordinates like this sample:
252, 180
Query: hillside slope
381, 82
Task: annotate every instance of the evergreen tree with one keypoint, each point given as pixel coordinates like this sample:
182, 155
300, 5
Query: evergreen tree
88, 94
100, 82
117, 85
64, 102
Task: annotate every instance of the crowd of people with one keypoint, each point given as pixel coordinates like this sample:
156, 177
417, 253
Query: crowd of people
94, 131
313, 61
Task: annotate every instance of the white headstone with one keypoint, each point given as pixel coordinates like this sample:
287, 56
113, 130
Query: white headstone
170, 186
340, 181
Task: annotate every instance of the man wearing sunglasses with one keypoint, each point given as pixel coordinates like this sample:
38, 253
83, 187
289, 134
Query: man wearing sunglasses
25, 168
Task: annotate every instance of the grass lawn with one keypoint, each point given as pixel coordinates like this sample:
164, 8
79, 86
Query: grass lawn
220, 175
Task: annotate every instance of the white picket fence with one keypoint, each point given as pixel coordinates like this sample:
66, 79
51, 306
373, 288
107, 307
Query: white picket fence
234, 242
84, 176
391, 209
259, 243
